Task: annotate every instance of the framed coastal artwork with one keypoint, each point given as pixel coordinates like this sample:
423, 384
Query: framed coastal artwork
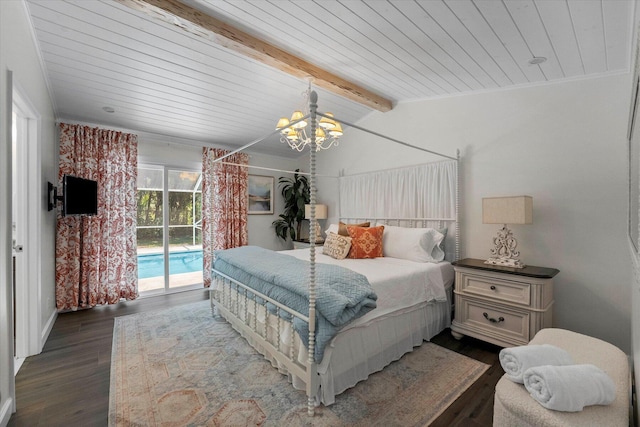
260, 191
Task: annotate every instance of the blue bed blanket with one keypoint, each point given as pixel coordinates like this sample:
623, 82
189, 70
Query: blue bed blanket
342, 295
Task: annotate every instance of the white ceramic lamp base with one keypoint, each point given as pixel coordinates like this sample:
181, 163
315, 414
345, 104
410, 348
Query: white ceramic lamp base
504, 250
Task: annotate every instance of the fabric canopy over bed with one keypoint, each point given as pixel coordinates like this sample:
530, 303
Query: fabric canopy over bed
421, 191
416, 196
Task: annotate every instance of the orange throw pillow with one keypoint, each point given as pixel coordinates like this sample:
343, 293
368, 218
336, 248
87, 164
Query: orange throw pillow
365, 242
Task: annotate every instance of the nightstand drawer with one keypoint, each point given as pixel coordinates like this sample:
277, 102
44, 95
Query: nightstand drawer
494, 288
491, 320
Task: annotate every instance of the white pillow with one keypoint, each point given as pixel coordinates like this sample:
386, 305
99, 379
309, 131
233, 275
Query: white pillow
413, 244
333, 228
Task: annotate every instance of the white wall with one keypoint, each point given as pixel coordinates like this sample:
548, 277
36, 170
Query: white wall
18, 54
563, 144
180, 154
154, 151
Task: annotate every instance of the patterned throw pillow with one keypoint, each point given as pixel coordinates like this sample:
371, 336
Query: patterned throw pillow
336, 246
365, 242
342, 227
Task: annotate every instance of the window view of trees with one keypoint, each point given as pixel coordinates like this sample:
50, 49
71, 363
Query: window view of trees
185, 207
149, 215
149, 207
182, 218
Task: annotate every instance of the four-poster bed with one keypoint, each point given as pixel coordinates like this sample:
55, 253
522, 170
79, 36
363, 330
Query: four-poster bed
413, 299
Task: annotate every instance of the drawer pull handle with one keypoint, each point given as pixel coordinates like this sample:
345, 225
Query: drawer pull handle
493, 288
491, 319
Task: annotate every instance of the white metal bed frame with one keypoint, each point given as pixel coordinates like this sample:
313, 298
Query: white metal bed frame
223, 285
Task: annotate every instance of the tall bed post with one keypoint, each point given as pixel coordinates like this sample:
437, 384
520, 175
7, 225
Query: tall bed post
311, 369
457, 256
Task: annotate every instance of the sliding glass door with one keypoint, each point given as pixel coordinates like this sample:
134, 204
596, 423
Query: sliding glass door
169, 228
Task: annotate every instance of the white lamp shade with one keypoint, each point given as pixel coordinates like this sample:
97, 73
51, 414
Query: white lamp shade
321, 211
507, 210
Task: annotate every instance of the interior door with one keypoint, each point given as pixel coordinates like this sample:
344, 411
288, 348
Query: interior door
19, 212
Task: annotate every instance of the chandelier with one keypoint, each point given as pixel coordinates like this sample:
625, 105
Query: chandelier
298, 135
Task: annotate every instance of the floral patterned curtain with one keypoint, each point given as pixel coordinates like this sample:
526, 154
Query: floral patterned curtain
224, 204
96, 255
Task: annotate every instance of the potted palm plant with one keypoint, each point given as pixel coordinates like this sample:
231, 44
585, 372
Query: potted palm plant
296, 194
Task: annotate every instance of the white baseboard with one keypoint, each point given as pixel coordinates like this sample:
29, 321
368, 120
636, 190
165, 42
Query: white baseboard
47, 329
17, 364
5, 412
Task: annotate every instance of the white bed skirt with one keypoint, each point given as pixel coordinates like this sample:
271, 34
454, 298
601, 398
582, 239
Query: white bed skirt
361, 351
354, 353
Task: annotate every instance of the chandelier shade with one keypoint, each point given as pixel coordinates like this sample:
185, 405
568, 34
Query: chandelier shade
336, 131
283, 123
327, 122
297, 115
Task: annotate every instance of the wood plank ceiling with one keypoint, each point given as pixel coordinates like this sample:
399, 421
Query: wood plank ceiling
163, 80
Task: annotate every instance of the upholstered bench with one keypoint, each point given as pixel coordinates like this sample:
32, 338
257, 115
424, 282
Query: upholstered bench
513, 406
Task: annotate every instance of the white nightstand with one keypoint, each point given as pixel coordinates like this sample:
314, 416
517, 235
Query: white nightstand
501, 305
297, 244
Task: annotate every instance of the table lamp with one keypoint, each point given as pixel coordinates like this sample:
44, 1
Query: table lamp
321, 213
506, 210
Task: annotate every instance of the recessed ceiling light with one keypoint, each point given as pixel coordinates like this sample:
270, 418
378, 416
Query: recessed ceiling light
537, 60
109, 109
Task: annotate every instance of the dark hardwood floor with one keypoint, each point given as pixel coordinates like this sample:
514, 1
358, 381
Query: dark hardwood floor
475, 407
68, 383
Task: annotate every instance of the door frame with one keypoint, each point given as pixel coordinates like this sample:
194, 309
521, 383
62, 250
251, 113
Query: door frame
28, 297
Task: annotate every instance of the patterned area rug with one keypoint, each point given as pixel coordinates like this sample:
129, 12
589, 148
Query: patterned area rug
181, 367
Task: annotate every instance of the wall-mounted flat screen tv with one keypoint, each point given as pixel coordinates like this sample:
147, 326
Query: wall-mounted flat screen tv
80, 196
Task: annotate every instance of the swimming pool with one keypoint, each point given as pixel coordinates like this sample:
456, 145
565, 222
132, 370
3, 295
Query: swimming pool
152, 265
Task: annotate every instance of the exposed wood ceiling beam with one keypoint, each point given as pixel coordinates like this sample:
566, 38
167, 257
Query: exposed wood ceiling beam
212, 29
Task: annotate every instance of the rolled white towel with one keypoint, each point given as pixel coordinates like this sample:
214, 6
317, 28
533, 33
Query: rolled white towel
516, 360
569, 388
